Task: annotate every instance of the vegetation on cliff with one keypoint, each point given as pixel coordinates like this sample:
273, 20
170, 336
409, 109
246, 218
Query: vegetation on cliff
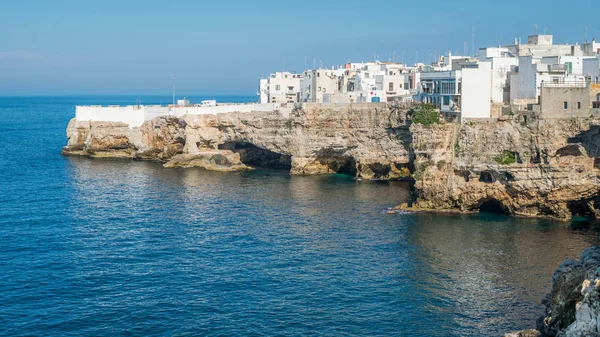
426, 114
506, 158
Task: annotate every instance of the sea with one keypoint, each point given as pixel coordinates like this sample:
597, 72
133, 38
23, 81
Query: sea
100, 247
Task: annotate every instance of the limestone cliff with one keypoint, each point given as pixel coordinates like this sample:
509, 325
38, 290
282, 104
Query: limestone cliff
573, 304
368, 141
548, 168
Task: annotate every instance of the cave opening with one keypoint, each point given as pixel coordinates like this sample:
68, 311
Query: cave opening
492, 206
255, 156
580, 208
487, 177
347, 167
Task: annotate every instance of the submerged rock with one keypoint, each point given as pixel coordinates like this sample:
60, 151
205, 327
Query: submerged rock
524, 333
222, 161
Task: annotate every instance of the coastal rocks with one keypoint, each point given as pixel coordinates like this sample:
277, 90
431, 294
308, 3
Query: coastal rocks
101, 140
546, 171
368, 141
163, 137
158, 139
573, 305
221, 161
525, 333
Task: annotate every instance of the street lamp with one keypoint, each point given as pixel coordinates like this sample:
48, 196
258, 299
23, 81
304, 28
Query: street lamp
174, 89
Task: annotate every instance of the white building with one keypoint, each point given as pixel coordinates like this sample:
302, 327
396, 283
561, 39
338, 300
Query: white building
464, 94
280, 87
317, 83
591, 69
502, 64
527, 79
476, 92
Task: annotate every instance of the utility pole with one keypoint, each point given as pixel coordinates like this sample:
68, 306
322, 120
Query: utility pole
173, 89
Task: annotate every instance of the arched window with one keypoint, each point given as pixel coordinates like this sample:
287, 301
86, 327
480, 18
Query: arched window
596, 102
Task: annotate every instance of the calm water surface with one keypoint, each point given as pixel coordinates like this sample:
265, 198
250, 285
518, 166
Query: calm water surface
122, 248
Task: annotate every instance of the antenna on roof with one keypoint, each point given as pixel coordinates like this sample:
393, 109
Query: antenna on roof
473, 41
545, 30
586, 30
535, 27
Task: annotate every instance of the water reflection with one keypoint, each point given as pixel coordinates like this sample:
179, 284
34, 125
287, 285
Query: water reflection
491, 268
262, 249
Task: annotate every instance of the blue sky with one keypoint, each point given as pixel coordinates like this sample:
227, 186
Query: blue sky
126, 46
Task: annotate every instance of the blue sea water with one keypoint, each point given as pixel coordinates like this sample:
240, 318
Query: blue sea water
127, 248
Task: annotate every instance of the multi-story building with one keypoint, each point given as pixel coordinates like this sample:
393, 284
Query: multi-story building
280, 87
502, 63
316, 84
462, 94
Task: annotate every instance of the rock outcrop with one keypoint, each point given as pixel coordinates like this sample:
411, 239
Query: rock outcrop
573, 305
545, 169
548, 169
368, 141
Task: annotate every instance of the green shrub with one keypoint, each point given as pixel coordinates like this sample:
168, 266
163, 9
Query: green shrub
506, 158
426, 115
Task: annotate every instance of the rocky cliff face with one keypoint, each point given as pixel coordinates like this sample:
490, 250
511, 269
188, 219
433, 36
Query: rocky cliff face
547, 169
573, 305
367, 141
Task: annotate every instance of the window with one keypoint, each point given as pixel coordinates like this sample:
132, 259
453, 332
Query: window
565, 105
391, 86
578, 105
446, 100
596, 102
277, 87
318, 74
319, 88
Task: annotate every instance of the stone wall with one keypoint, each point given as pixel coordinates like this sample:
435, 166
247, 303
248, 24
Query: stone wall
577, 99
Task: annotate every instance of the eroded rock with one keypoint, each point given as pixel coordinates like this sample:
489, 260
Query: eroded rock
367, 141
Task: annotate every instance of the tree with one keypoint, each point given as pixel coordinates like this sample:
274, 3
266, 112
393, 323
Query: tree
426, 114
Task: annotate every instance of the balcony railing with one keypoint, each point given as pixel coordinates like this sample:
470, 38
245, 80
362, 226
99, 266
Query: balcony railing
566, 84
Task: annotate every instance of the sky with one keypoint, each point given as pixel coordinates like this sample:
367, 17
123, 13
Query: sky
225, 46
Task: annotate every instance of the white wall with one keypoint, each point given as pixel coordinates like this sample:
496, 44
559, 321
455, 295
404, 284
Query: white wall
211, 110
523, 84
501, 67
263, 90
135, 116
476, 91
131, 115
591, 67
